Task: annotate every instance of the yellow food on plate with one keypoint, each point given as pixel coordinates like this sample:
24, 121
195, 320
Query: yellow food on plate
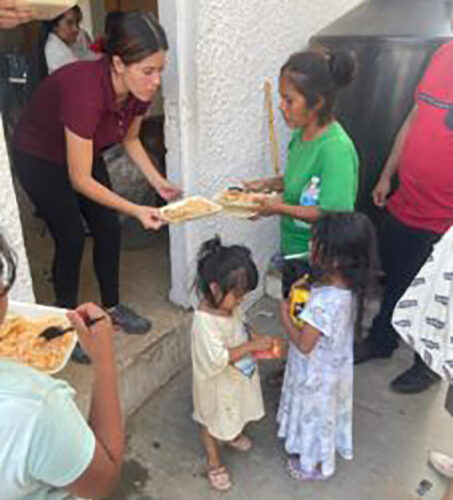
190, 208
19, 340
242, 199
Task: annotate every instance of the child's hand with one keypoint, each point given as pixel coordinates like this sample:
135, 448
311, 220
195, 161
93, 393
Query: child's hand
261, 343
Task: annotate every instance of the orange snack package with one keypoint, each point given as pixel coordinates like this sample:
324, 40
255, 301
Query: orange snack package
275, 352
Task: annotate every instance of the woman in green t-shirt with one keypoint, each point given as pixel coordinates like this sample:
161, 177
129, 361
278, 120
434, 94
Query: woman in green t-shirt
322, 166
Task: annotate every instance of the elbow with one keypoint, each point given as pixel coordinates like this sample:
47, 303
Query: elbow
79, 183
106, 485
110, 486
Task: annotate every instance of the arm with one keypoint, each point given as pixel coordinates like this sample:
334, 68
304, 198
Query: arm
80, 161
382, 188
258, 343
306, 213
272, 183
139, 156
105, 417
304, 339
12, 15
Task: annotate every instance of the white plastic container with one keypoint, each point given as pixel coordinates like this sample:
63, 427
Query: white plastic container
38, 311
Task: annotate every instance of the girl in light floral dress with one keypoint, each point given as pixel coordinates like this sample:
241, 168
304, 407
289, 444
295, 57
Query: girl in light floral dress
315, 411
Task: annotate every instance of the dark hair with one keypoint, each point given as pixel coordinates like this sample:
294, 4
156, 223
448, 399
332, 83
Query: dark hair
318, 76
345, 243
78, 13
38, 69
134, 36
111, 19
229, 267
7, 267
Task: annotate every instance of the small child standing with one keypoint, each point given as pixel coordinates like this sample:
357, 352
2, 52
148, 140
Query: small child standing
315, 411
226, 385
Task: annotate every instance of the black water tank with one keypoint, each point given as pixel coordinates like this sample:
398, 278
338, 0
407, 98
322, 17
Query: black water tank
393, 41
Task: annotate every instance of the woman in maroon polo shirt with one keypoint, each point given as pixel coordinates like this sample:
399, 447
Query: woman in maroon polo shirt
75, 114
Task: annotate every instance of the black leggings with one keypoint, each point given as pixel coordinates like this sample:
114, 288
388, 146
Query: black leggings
48, 186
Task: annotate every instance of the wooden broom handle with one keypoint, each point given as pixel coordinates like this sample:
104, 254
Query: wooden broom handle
275, 155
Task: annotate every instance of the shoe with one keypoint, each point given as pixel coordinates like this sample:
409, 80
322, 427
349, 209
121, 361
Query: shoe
366, 350
80, 356
442, 463
129, 321
416, 379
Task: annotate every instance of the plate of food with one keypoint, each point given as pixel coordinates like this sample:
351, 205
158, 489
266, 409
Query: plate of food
20, 340
46, 9
190, 208
240, 198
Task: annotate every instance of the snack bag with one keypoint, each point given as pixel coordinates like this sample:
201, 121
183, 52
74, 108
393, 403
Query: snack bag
300, 292
275, 352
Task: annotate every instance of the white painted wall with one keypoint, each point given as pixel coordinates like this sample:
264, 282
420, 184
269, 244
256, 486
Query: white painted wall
87, 23
10, 226
216, 122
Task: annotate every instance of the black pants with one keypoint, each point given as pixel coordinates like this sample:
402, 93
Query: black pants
48, 186
404, 251
291, 272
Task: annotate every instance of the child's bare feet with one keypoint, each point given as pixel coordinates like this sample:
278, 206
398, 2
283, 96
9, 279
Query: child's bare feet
219, 478
241, 443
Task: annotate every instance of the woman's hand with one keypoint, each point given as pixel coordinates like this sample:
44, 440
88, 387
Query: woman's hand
257, 185
96, 338
150, 217
381, 191
168, 191
268, 206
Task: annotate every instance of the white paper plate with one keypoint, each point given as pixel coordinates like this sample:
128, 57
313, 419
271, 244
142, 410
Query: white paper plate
38, 311
214, 207
46, 9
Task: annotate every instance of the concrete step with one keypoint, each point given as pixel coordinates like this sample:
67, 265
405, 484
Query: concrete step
145, 362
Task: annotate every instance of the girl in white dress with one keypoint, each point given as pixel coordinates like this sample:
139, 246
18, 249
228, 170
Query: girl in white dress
226, 385
315, 411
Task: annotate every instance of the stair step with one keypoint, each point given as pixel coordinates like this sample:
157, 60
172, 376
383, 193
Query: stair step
145, 363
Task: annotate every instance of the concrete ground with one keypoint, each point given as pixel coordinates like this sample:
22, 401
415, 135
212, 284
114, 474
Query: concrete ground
392, 436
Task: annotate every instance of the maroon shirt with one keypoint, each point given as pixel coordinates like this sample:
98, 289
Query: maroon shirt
79, 96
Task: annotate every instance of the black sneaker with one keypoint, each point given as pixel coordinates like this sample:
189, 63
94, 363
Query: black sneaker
366, 350
417, 378
80, 356
129, 321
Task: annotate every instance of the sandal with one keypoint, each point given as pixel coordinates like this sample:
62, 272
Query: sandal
296, 472
219, 478
241, 443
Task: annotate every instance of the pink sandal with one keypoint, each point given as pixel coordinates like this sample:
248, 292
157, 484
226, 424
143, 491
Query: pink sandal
219, 478
241, 443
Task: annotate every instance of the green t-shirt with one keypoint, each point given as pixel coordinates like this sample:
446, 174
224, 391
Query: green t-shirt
322, 172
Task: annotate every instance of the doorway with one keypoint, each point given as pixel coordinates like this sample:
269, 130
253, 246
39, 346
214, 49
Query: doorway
145, 275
